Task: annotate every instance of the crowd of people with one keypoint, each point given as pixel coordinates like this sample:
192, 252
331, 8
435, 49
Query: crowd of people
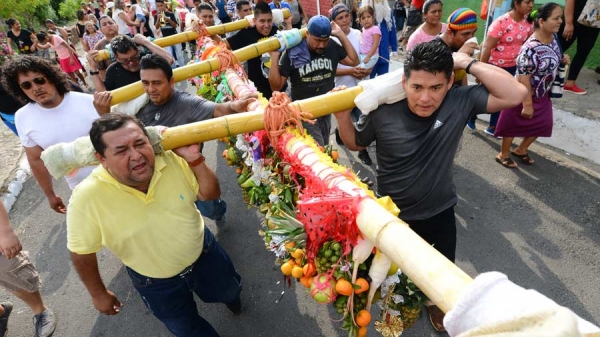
517, 71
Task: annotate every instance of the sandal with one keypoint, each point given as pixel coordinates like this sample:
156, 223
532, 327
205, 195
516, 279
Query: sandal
524, 158
436, 317
506, 162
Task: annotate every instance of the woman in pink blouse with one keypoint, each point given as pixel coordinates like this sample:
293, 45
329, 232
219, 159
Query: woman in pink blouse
504, 39
432, 27
66, 55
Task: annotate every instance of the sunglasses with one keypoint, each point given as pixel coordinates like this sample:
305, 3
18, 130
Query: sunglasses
38, 80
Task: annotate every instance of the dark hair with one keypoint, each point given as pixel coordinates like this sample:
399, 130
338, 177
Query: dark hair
433, 56
41, 36
241, 3
10, 22
23, 65
49, 21
107, 123
80, 14
133, 2
155, 61
530, 18
367, 9
205, 6
102, 17
430, 3
122, 44
544, 12
262, 8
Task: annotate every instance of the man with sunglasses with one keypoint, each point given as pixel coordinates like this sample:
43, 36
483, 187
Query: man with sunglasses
52, 114
126, 70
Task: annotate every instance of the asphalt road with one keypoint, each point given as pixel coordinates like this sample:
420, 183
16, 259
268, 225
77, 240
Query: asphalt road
537, 224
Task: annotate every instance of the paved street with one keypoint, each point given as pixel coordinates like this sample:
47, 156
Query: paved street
538, 224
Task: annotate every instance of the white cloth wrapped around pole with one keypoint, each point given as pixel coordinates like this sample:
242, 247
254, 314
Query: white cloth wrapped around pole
62, 158
493, 305
132, 107
384, 89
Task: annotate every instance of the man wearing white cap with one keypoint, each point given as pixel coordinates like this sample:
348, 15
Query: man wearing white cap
311, 67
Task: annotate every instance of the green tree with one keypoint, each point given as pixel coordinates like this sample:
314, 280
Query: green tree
24, 11
68, 9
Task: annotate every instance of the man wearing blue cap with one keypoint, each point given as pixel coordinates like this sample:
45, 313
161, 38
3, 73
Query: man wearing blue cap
311, 67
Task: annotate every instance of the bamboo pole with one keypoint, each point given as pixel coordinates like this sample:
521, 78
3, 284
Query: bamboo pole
251, 121
136, 89
189, 36
439, 278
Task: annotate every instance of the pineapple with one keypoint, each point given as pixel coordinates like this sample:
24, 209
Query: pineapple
414, 298
409, 315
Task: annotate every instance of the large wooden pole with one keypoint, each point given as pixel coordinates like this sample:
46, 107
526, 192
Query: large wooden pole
189, 36
251, 121
134, 90
438, 277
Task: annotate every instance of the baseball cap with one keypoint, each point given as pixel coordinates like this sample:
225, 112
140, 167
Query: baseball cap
319, 26
337, 10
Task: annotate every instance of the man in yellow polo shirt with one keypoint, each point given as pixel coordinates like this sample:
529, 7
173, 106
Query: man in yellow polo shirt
141, 207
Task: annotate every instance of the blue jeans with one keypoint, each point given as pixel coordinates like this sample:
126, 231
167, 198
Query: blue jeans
212, 209
212, 277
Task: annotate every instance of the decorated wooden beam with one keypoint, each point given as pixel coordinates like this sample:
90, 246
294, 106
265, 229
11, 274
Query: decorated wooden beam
436, 276
190, 35
251, 121
134, 90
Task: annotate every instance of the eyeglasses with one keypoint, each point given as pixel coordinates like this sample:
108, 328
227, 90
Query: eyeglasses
131, 60
27, 84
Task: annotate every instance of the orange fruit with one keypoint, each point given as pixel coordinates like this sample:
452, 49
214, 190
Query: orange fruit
363, 284
362, 332
306, 281
299, 261
225, 154
334, 155
363, 318
238, 170
287, 267
290, 245
344, 287
297, 254
321, 148
297, 272
309, 269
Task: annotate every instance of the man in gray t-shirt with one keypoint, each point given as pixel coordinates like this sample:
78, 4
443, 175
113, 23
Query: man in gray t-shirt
418, 137
168, 107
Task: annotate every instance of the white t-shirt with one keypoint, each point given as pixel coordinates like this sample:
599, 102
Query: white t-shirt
138, 10
348, 80
123, 27
71, 119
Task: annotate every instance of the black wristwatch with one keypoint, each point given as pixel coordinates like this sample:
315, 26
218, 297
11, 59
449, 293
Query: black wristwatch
92, 73
468, 68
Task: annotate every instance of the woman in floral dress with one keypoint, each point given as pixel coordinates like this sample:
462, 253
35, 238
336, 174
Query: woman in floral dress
537, 65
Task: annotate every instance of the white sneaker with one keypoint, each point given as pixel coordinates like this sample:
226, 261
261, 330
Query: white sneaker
44, 323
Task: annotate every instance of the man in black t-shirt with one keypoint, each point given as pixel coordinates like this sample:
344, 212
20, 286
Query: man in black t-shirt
417, 138
164, 20
311, 67
263, 28
126, 70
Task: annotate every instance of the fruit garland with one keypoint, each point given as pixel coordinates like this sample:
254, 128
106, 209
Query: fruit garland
310, 227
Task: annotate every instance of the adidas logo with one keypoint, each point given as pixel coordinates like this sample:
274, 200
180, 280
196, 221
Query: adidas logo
437, 124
